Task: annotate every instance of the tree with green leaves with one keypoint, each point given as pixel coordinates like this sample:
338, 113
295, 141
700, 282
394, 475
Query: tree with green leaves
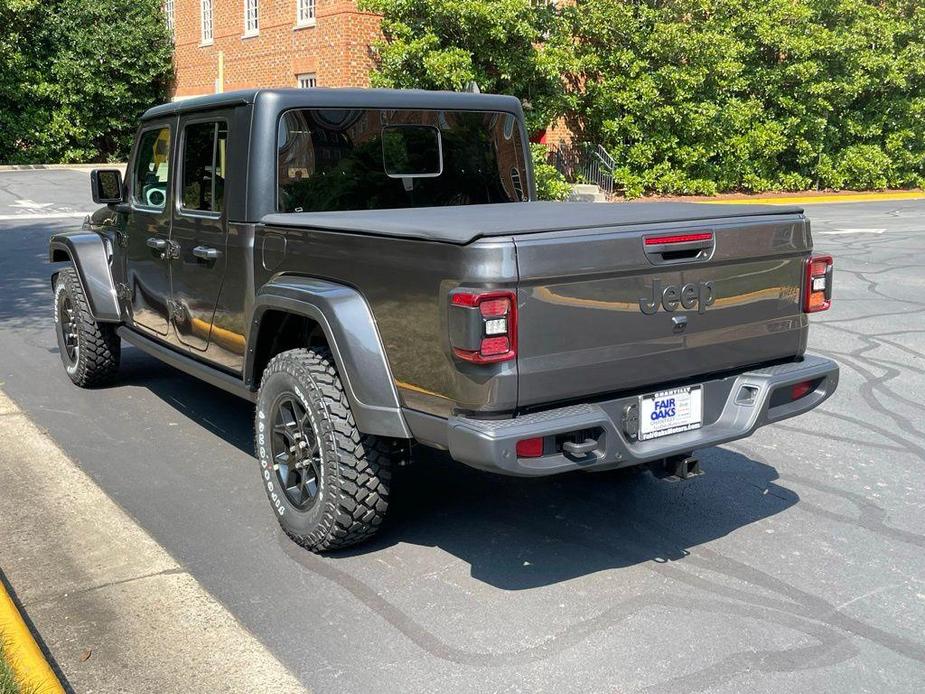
75, 75
449, 44
499, 45
691, 96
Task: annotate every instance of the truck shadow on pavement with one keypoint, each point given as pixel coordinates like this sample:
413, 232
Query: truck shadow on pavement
521, 533
518, 533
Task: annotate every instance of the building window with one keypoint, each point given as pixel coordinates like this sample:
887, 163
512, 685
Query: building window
251, 17
305, 13
307, 81
168, 13
205, 22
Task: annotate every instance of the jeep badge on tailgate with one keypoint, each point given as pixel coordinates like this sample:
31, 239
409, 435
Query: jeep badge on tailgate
688, 296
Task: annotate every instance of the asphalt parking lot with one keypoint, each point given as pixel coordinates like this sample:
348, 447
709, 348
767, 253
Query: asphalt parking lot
795, 564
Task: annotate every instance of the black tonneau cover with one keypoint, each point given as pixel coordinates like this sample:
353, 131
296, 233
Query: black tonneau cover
465, 223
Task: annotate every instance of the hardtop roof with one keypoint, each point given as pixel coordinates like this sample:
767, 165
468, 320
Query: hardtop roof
323, 97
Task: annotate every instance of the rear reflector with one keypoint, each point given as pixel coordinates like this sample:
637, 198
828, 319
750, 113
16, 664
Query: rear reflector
799, 390
678, 238
530, 448
817, 285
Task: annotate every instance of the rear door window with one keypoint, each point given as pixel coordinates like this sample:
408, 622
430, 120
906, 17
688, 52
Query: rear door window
152, 168
338, 159
204, 163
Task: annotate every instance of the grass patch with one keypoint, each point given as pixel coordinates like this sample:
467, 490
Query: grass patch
8, 684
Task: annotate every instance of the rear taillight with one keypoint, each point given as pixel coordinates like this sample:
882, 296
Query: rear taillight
817, 285
483, 326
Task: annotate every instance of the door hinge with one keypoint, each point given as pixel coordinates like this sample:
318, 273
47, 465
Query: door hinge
122, 238
124, 292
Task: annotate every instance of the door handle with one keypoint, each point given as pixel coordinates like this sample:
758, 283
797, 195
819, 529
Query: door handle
157, 244
207, 253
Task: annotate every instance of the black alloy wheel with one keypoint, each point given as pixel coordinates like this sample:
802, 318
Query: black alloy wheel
295, 451
67, 327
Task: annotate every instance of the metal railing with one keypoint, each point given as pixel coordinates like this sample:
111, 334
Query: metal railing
584, 162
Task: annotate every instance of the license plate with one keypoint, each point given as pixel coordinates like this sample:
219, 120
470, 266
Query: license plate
670, 412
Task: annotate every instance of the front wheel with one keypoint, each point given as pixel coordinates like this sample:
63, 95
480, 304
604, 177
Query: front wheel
328, 483
89, 350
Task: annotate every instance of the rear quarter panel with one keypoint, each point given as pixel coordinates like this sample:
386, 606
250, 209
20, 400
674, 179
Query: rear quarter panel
406, 283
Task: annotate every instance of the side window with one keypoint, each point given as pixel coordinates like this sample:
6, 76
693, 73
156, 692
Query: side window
152, 166
204, 163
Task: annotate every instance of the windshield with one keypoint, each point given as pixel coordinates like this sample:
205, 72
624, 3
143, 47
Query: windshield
331, 159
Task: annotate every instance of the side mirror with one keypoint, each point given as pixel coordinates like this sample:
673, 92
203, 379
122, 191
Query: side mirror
106, 186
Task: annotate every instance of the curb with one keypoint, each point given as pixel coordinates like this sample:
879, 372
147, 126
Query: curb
25, 657
832, 199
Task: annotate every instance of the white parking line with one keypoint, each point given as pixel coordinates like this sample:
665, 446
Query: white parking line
837, 232
43, 215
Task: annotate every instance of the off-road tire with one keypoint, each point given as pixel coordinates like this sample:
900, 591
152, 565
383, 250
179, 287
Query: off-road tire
95, 361
354, 468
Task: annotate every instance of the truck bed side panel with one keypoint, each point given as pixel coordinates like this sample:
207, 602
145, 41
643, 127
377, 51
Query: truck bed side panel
406, 283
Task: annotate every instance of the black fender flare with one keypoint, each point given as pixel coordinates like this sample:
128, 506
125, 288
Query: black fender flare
89, 253
350, 329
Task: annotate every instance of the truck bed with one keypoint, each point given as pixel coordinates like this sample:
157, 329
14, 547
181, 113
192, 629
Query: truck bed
585, 282
467, 223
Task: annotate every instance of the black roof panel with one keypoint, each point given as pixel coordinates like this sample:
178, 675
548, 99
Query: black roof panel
321, 97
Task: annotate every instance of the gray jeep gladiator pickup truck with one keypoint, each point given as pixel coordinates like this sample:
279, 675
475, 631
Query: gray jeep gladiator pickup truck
371, 268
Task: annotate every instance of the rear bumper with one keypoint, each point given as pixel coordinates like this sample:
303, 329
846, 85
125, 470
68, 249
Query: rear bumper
734, 407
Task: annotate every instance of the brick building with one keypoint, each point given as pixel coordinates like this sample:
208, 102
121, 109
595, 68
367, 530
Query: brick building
223, 45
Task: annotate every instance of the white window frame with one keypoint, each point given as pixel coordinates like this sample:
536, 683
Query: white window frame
251, 18
306, 80
305, 13
169, 14
206, 23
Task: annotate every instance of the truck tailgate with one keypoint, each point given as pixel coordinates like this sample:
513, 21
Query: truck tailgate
591, 314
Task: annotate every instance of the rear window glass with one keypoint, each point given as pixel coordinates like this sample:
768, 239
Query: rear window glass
330, 159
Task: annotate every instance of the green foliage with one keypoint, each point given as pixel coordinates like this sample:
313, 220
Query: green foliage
691, 96
701, 96
8, 684
446, 44
75, 75
550, 184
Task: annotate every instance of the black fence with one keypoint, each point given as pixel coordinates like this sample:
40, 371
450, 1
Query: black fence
583, 162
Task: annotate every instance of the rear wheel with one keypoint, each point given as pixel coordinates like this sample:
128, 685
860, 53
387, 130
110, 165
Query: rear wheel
89, 350
328, 483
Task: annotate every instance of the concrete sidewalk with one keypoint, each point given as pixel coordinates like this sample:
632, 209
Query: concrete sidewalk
114, 609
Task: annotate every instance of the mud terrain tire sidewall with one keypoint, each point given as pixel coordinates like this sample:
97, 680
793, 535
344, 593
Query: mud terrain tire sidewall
355, 467
98, 345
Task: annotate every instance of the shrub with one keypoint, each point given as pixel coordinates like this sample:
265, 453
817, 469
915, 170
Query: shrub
550, 184
701, 95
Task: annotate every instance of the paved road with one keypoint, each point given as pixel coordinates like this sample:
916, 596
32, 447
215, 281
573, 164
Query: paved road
795, 563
